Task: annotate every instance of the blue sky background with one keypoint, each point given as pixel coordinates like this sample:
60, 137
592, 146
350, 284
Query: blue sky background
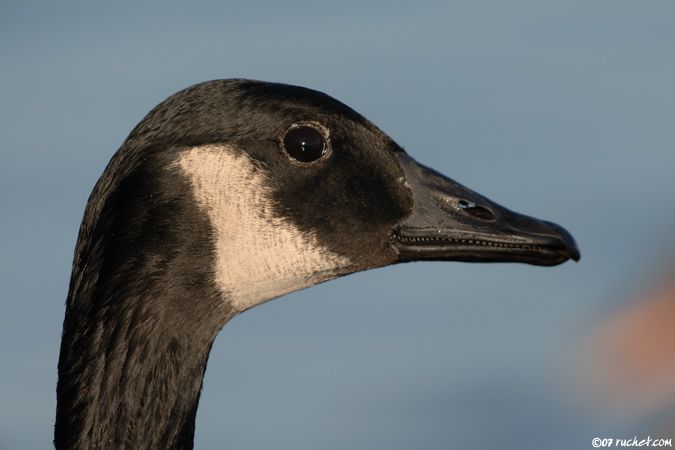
561, 110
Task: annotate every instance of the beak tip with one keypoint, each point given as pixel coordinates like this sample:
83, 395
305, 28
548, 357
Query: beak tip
571, 250
570, 253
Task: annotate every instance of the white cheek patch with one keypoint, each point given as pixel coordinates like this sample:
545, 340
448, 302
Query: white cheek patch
259, 256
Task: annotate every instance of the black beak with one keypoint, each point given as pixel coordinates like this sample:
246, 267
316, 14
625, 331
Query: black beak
451, 222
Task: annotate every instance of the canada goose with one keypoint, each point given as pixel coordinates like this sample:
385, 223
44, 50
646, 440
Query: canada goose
227, 195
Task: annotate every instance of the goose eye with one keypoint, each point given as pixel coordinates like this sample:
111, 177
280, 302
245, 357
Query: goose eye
305, 144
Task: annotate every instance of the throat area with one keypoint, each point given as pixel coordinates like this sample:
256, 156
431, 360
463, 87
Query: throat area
259, 254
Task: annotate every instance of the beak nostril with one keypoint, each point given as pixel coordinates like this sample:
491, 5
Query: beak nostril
477, 211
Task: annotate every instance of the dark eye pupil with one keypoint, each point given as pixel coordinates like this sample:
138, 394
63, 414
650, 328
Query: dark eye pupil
305, 144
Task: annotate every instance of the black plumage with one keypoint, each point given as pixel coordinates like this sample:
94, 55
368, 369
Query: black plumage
144, 306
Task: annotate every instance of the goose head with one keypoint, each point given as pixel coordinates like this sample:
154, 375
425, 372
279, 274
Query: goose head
227, 195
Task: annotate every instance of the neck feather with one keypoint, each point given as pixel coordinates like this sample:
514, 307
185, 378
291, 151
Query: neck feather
131, 384
142, 313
